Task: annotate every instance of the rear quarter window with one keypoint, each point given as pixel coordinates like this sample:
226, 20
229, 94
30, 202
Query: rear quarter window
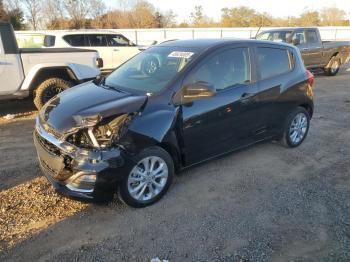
274, 61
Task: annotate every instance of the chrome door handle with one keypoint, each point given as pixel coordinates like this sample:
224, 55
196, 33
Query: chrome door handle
305, 49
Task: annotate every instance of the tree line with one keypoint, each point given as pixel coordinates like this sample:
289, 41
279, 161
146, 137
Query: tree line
76, 14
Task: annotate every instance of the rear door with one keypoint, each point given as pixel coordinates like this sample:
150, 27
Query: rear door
121, 48
226, 121
11, 71
274, 66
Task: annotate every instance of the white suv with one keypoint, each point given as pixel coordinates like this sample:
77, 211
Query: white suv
112, 47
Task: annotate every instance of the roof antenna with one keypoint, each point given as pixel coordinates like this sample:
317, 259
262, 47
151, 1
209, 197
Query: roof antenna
257, 32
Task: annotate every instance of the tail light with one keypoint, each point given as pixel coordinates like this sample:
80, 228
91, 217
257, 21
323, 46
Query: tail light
99, 62
310, 78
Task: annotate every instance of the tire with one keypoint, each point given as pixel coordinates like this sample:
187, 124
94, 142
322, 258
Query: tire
297, 136
140, 179
48, 89
333, 69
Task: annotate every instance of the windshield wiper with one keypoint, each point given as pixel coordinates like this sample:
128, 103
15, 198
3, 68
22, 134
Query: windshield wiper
101, 81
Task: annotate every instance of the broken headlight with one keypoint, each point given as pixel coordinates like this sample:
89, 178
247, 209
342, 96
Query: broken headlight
104, 134
87, 121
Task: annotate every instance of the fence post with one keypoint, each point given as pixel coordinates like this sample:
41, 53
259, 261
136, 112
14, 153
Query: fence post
136, 40
221, 33
336, 32
164, 34
192, 33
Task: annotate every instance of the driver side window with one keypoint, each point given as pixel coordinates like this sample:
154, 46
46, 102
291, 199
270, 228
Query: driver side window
300, 35
223, 70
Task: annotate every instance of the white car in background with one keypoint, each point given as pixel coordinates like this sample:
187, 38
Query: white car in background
112, 47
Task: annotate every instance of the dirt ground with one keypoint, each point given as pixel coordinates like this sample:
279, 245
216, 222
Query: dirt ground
265, 203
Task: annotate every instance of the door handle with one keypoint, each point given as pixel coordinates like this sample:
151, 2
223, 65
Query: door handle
115, 49
305, 49
246, 98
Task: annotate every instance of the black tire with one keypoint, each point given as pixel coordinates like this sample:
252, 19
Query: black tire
333, 68
48, 89
123, 188
287, 140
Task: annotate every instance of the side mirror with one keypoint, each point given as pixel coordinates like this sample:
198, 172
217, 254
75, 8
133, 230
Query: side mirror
296, 41
154, 42
131, 43
196, 91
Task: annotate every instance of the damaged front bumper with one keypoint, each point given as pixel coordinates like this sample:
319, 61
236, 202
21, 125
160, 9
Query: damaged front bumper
76, 172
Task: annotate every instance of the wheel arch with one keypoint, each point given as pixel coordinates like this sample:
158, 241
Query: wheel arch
44, 73
308, 108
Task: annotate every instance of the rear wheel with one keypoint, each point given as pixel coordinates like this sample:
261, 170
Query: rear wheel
333, 69
48, 89
296, 127
149, 179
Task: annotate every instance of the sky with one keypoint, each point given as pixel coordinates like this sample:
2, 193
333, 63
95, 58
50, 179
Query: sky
212, 8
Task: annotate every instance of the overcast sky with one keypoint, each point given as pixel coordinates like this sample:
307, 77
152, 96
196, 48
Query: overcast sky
280, 8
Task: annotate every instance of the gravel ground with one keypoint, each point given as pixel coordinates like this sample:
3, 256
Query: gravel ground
265, 203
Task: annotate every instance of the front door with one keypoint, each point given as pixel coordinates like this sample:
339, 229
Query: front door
121, 49
226, 121
310, 50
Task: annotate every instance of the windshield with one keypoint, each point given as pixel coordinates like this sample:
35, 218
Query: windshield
276, 36
151, 70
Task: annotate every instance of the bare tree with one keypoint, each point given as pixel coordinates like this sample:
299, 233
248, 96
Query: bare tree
54, 14
78, 11
33, 9
97, 10
127, 5
332, 16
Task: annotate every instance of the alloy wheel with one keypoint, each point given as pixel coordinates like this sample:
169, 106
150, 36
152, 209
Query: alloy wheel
298, 128
148, 178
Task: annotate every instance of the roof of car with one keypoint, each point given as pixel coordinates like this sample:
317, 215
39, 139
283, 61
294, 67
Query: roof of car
286, 29
69, 32
212, 42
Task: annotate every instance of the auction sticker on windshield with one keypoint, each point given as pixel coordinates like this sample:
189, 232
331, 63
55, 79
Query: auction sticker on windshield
179, 54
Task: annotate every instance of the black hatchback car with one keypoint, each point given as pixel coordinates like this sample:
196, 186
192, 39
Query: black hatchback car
168, 108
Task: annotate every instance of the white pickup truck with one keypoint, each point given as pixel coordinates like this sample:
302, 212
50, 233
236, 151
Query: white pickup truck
42, 73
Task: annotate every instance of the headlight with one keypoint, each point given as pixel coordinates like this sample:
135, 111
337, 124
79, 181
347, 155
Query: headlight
87, 121
109, 131
95, 132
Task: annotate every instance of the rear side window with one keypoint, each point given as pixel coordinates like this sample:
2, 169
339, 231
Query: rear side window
273, 61
97, 40
49, 40
76, 40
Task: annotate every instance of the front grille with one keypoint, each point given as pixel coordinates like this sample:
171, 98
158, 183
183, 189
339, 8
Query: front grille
48, 169
47, 145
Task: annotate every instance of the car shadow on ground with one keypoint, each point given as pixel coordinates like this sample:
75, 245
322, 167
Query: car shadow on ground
20, 107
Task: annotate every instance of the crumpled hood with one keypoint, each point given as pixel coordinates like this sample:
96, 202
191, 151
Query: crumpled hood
88, 99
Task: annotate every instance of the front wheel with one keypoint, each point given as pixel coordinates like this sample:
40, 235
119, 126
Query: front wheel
148, 179
333, 69
48, 89
296, 127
